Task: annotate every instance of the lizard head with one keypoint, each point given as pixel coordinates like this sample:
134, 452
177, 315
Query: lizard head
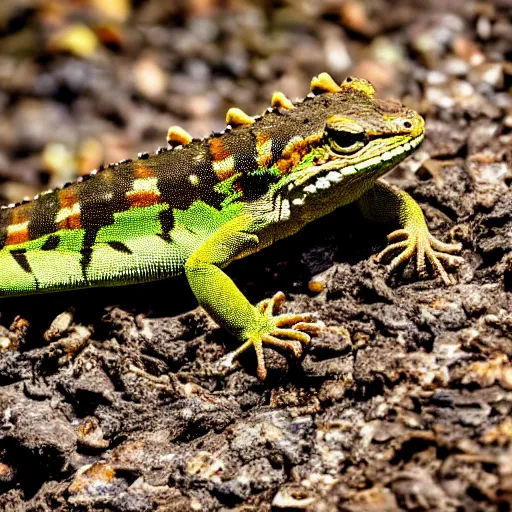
354, 138
321, 152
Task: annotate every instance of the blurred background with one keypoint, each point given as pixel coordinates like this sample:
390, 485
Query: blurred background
87, 82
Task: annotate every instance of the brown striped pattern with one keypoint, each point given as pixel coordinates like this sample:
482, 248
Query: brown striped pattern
295, 150
17, 231
264, 149
68, 217
223, 160
43, 214
180, 177
218, 150
145, 191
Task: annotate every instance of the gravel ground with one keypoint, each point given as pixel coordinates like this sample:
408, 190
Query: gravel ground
114, 400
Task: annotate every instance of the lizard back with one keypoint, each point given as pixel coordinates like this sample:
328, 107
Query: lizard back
140, 220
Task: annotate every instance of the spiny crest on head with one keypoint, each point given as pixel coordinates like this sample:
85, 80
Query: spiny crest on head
358, 84
325, 83
237, 117
279, 100
177, 136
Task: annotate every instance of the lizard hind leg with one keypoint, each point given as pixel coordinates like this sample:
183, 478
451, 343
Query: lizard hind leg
227, 305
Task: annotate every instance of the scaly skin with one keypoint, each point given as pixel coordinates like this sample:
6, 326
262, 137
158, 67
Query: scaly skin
207, 202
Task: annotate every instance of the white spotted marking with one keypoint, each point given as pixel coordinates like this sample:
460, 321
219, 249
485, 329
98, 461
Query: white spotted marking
334, 176
285, 210
322, 183
347, 171
225, 165
146, 185
16, 228
64, 213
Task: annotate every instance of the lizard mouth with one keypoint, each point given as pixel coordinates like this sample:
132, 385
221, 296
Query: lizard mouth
334, 172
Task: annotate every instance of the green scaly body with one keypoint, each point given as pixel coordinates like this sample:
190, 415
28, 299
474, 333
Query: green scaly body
197, 207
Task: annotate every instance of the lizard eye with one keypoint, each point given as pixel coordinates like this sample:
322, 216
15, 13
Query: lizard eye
343, 141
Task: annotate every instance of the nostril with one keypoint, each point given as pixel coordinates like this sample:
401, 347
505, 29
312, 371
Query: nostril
407, 124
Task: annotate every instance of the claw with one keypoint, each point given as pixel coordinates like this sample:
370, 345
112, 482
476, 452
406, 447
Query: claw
288, 319
270, 306
294, 346
443, 246
292, 334
311, 327
450, 259
398, 234
288, 332
424, 245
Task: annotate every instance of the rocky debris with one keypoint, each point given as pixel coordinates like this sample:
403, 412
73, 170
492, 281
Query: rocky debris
117, 401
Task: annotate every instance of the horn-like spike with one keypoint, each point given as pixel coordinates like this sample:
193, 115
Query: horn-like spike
324, 83
237, 117
358, 84
279, 100
177, 136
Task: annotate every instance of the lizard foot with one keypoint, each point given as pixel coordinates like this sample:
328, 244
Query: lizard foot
411, 241
287, 331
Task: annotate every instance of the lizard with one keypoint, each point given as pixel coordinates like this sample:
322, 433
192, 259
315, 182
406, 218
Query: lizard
197, 205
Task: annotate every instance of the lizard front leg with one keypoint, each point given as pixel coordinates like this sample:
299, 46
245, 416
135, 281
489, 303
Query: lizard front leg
386, 203
226, 304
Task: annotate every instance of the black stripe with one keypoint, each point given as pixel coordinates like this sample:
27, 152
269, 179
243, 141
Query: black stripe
5, 220
120, 247
21, 259
42, 215
243, 147
276, 150
173, 170
85, 260
255, 185
100, 197
165, 237
166, 219
51, 243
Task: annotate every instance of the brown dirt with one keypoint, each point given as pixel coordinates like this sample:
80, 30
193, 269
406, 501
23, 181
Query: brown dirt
114, 399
